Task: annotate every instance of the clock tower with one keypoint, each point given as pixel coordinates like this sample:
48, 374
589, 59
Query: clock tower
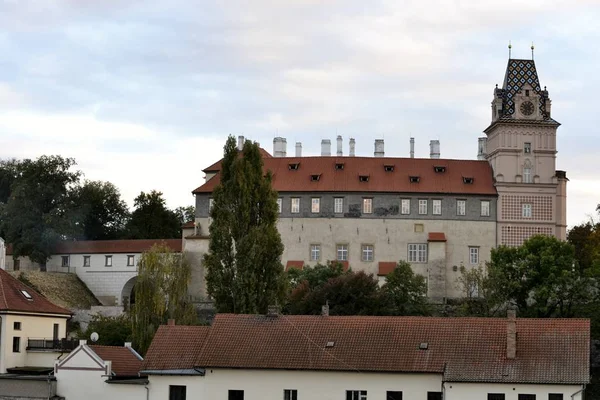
521, 148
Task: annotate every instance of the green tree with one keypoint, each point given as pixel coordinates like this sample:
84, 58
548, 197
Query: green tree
585, 239
405, 291
151, 219
186, 214
112, 331
9, 171
100, 211
161, 293
314, 276
38, 211
244, 271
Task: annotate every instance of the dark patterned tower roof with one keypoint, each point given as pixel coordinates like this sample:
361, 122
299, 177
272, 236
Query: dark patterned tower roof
518, 74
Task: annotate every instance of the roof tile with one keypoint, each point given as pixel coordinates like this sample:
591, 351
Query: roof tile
175, 347
12, 299
123, 361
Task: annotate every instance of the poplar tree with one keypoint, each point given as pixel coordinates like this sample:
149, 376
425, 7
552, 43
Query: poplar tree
244, 271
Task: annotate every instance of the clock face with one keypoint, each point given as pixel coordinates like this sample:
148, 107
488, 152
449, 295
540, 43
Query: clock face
527, 108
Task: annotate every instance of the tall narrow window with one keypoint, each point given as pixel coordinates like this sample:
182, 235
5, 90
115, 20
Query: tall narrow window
527, 210
356, 395
236, 395
108, 261
405, 206
130, 260
367, 252
461, 206
279, 205
367, 206
485, 208
527, 148
177, 392
290, 394
527, 175
422, 207
473, 255
315, 205
55, 332
437, 207
338, 205
342, 252
16, 344
65, 261
315, 252
86, 261
17, 265
211, 204
295, 205
417, 253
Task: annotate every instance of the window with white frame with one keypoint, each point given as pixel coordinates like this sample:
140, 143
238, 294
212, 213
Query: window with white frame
108, 261
130, 260
461, 207
279, 205
417, 252
315, 205
527, 175
65, 261
367, 252
368, 206
527, 210
86, 261
338, 205
473, 255
485, 208
527, 148
437, 207
290, 394
342, 252
405, 206
295, 205
422, 207
211, 203
356, 395
315, 252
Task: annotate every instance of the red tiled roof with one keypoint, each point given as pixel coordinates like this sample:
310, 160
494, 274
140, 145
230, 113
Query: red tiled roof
11, 298
188, 225
217, 166
397, 181
386, 267
299, 264
110, 246
175, 347
436, 237
462, 349
124, 362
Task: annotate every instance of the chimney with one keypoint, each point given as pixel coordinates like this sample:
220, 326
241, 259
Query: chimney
279, 147
339, 146
325, 147
412, 147
481, 148
128, 344
511, 334
379, 150
352, 152
171, 322
434, 149
240, 143
325, 310
273, 311
298, 149
82, 342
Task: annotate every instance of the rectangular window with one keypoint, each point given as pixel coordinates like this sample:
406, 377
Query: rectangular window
211, 203
295, 205
526, 210
338, 205
367, 252
526, 175
417, 253
434, 395
17, 326
316, 205
485, 208
315, 252
495, 396
422, 207
290, 394
393, 395
356, 395
526, 396
527, 148
177, 392
437, 207
368, 206
55, 332
279, 205
17, 265
236, 395
405, 206
555, 396
473, 255
108, 261
130, 260
461, 207
86, 261
342, 252
16, 344
65, 261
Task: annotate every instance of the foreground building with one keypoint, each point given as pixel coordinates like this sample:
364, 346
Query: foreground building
272, 357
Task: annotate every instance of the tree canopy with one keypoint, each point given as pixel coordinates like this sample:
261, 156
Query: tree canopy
151, 219
243, 264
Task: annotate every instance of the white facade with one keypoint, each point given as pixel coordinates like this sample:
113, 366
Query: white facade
477, 391
2, 254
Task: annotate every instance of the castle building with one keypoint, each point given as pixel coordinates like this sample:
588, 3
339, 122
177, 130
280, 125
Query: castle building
440, 215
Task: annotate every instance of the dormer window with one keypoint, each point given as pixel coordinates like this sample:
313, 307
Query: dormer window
339, 166
26, 294
293, 166
363, 178
315, 177
468, 180
388, 168
439, 168
414, 179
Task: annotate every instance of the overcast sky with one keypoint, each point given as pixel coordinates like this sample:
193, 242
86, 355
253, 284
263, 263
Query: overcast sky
144, 94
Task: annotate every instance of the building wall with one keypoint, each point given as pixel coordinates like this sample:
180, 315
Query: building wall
194, 249
34, 327
91, 385
195, 387
16, 388
477, 391
2, 254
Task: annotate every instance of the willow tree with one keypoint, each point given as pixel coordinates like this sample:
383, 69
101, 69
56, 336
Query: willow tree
161, 293
243, 266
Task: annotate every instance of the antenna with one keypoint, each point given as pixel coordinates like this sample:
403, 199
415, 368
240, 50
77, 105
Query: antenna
509, 49
532, 50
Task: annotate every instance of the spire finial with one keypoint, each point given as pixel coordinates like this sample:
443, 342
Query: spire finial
532, 47
509, 49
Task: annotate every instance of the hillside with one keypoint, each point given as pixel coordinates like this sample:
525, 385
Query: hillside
65, 290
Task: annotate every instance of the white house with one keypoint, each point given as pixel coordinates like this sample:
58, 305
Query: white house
273, 357
100, 372
2, 254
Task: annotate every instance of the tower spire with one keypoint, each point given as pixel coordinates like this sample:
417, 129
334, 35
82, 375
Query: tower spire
509, 49
532, 50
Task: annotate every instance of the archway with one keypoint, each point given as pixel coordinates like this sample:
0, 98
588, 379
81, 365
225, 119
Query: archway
128, 293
